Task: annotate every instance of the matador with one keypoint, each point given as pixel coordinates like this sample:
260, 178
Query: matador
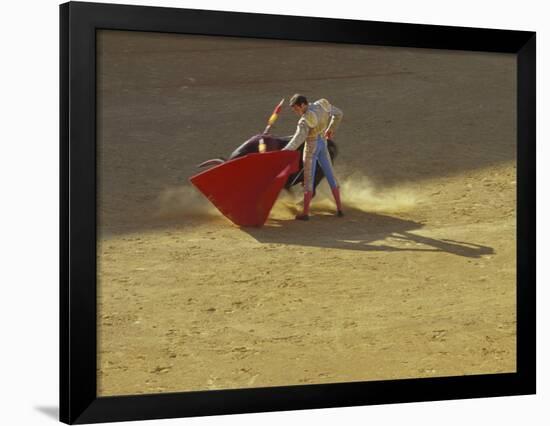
318, 122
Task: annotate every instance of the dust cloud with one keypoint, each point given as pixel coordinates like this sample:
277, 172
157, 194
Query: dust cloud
185, 201
357, 192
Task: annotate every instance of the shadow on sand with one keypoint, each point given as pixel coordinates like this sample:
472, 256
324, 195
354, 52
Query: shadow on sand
361, 231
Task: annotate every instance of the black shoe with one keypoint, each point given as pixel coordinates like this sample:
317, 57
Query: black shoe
302, 217
340, 213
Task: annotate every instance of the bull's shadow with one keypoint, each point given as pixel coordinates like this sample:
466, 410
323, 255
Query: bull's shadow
359, 230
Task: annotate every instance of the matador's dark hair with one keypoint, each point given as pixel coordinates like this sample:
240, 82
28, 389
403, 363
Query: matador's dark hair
297, 99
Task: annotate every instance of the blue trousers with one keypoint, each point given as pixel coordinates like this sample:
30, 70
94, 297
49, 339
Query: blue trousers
317, 152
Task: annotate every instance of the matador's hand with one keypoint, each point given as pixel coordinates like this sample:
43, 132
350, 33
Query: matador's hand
329, 134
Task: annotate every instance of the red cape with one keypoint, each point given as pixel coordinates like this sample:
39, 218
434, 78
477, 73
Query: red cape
244, 189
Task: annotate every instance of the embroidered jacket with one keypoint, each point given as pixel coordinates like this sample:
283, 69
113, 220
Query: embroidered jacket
319, 117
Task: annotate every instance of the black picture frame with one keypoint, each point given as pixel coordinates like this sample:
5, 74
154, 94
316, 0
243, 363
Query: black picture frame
78, 25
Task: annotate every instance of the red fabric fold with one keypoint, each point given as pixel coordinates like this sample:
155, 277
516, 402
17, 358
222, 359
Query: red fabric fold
245, 189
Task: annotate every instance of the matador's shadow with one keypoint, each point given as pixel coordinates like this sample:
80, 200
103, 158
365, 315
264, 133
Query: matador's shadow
359, 230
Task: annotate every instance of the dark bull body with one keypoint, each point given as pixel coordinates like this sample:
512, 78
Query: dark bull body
276, 143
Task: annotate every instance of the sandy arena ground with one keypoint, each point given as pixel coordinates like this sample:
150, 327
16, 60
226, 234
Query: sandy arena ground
417, 280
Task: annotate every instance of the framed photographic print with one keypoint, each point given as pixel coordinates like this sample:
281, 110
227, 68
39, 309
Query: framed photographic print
263, 212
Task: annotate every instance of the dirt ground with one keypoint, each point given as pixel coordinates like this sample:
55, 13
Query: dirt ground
418, 278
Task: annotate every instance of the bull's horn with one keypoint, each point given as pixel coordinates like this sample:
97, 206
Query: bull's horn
212, 162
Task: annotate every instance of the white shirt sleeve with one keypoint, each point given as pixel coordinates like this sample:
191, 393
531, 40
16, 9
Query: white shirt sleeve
299, 136
336, 116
